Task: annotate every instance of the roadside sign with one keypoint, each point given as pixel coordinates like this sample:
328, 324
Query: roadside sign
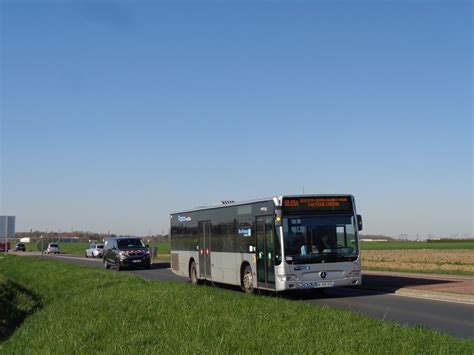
7, 229
7, 226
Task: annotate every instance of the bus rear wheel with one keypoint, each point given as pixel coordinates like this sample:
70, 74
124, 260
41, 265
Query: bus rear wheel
193, 273
247, 280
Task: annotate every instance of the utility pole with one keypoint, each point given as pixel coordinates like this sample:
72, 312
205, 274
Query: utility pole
6, 235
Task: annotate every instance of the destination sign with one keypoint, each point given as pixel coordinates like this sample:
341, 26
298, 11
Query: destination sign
318, 204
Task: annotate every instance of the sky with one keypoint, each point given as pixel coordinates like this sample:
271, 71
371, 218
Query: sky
116, 113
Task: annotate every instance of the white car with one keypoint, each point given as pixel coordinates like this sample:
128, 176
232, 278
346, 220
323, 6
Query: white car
94, 250
53, 248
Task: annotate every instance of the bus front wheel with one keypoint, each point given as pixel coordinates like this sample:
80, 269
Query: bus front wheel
193, 273
247, 279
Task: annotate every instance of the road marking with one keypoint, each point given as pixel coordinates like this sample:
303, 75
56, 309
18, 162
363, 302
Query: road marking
73, 257
427, 297
399, 293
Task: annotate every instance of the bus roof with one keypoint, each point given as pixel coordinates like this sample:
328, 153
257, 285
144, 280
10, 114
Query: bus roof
276, 199
200, 208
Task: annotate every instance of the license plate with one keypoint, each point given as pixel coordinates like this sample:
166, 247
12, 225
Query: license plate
324, 284
136, 261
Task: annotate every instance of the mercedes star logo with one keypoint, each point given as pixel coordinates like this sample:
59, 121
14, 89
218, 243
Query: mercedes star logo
323, 274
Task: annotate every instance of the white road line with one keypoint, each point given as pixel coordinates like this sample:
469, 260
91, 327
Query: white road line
74, 257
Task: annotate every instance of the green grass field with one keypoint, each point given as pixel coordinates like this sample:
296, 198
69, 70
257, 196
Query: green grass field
164, 247
164, 253
79, 248
88, 310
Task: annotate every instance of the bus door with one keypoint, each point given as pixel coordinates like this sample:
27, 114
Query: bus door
205, 249
265, 252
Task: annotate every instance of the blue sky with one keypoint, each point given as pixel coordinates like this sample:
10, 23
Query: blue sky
115, 113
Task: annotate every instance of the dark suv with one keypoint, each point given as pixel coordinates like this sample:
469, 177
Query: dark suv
126, 252
20, 247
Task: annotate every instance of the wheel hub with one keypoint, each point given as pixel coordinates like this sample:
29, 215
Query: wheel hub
248, 282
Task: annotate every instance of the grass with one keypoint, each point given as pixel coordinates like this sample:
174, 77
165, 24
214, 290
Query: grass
164, 247
16, 303
69, 248
125, 314
164, 252
79, 248
73, 248
415, 245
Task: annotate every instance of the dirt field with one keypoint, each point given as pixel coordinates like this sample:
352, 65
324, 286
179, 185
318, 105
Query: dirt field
440, 261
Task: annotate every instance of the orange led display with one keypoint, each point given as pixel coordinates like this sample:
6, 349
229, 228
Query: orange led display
336, 203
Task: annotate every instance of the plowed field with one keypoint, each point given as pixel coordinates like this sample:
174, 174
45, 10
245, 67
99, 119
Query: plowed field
424, 260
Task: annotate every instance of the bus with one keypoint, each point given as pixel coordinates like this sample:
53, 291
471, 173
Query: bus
278, 243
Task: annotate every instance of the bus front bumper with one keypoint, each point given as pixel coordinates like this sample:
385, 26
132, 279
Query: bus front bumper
307, 284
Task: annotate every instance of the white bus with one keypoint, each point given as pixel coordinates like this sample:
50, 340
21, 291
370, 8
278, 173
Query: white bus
279, 243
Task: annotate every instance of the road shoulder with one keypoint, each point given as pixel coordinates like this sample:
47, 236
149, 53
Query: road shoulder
430, 286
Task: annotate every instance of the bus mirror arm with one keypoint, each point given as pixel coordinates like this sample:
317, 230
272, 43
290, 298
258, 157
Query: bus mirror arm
359, 222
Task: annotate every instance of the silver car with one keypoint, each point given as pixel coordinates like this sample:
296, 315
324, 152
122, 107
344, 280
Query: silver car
94, 250
53, 248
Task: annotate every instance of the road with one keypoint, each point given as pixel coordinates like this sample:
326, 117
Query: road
456, 319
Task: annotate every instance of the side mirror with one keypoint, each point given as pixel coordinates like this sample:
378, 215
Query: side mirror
359, 222
147, 246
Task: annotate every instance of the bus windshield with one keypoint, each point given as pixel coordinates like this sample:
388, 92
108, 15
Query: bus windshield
320, 238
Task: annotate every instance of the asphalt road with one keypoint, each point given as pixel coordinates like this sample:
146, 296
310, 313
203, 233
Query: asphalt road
456, 319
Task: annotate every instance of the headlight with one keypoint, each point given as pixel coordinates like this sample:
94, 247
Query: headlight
123, 253
147, 252
353, 273
285, 278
